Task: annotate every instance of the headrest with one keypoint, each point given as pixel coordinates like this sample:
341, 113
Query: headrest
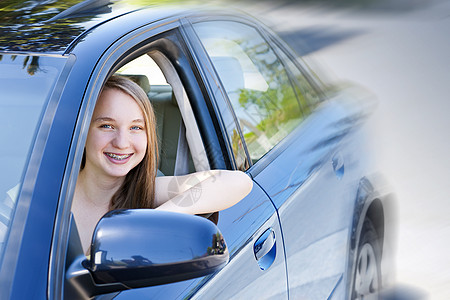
162, 93
141, 80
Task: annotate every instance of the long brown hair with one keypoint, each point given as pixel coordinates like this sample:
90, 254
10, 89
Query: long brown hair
138, 188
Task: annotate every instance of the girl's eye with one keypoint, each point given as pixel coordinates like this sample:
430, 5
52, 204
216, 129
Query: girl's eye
107, 126
137, 128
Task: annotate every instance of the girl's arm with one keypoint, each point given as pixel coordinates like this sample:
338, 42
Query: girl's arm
201, 192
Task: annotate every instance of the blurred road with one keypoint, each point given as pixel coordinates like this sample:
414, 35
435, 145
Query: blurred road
402, 55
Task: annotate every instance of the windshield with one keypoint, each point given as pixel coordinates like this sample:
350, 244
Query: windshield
26, 83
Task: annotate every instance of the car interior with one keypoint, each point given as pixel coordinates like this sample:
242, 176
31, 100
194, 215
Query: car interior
181, 149
168, 121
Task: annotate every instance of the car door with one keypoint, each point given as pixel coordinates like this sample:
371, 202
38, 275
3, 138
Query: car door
294, 147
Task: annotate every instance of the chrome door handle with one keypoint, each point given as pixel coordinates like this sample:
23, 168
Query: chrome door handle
265, 249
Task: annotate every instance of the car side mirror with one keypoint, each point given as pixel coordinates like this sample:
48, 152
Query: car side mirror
144, 247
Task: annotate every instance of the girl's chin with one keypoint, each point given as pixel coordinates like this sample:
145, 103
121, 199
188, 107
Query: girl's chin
118, 171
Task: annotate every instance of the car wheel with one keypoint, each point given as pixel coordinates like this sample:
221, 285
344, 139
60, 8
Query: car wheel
367, 276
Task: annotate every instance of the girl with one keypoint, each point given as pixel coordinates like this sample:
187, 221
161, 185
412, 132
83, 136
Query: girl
118, 169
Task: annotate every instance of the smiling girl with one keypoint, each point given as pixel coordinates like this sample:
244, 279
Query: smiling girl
119, 166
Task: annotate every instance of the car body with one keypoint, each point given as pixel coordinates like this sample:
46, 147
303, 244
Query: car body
246, 102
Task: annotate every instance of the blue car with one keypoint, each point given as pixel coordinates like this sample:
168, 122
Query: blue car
228, 94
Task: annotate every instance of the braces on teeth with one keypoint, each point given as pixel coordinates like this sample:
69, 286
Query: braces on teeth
118, 157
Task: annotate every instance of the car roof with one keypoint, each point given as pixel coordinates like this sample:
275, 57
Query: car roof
53, 26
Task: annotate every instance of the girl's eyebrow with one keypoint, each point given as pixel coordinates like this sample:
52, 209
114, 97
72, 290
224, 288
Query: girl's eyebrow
108, 119
102, 119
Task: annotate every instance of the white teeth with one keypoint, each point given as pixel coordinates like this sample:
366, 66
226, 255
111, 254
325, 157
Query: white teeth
118, 157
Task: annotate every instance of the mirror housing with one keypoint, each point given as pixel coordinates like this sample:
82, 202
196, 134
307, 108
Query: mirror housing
145, 247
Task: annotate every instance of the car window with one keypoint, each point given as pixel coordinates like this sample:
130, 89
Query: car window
306, 94
256, 82
26, 83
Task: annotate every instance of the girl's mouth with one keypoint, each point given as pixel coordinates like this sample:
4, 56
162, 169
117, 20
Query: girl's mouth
118, 156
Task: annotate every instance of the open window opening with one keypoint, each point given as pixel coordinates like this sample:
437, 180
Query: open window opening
181, 149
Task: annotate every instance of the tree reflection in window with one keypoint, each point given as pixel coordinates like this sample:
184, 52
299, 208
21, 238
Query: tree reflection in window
264, 101
273, 112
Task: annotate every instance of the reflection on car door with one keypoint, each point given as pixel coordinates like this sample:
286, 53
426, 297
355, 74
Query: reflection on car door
314, 205
244, 278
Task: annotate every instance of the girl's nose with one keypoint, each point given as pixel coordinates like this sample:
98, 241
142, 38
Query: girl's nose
121, 140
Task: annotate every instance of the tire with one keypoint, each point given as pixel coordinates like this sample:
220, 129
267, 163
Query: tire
367, 275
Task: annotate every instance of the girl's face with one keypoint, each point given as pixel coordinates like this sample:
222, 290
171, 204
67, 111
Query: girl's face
117, 139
